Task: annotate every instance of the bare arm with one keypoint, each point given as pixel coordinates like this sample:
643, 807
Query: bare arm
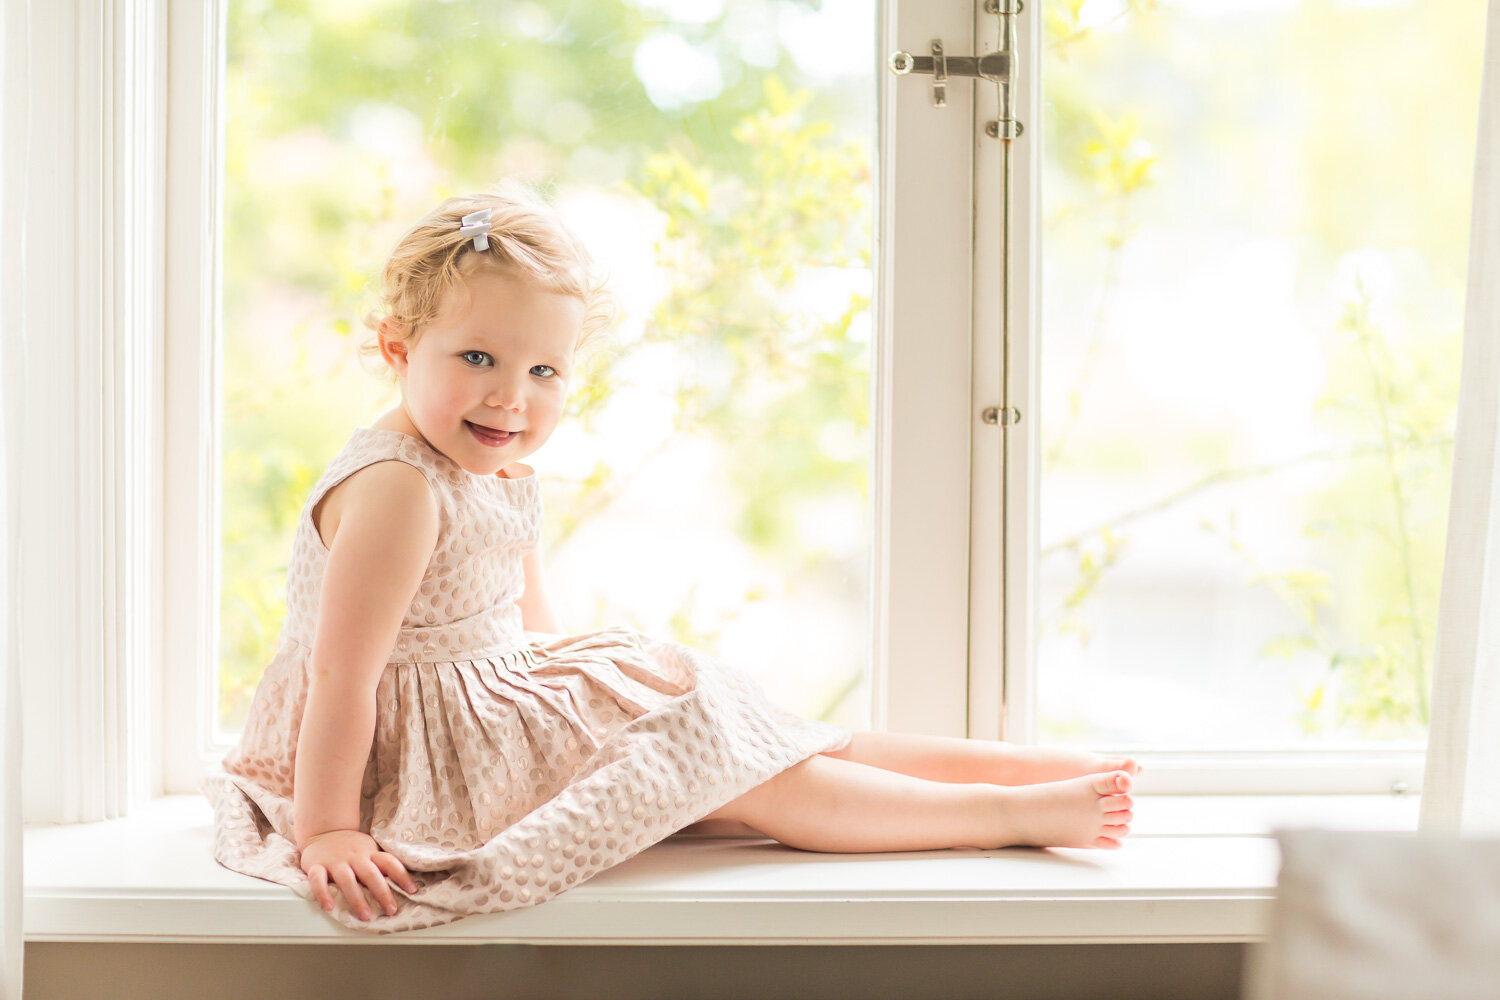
536, 610
379, 553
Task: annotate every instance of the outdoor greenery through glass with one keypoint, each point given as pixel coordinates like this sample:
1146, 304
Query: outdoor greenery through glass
710, 481
1255, 229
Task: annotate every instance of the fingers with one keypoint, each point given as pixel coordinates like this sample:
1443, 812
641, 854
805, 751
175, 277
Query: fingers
356, 877
396, 871
371, 876
349, 885
360, 876
318, 876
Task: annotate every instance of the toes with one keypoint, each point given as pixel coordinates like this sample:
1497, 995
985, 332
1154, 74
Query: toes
1115, 803
1119, 816
1127, 764
1117, 831
1108, 843
1111, 783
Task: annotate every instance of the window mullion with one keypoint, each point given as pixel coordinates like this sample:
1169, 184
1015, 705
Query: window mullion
190, 553
922, 401
1021, 266
993, 714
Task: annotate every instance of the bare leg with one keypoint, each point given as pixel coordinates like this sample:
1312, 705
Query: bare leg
946, 758
844, 806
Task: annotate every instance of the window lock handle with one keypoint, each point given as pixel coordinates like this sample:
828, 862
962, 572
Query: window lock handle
998, 67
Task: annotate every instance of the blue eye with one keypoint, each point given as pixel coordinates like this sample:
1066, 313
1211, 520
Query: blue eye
470, 355
548, 367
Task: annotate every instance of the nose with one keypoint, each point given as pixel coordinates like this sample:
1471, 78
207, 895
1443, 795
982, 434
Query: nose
505, 393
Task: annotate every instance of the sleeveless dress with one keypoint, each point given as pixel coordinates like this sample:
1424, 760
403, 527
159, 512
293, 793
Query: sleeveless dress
506, 767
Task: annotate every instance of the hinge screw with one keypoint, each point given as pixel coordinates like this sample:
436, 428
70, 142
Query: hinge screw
1013, 129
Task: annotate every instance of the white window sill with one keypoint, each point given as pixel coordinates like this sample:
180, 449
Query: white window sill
1195, 869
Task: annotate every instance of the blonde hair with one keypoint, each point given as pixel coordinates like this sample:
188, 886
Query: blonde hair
527, 240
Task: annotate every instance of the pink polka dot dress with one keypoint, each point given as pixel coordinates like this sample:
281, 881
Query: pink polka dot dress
506, 766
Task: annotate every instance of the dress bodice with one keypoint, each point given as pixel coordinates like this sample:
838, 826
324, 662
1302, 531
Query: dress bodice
465, 606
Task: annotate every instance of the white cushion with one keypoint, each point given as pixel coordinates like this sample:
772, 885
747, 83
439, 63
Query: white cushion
1381, 916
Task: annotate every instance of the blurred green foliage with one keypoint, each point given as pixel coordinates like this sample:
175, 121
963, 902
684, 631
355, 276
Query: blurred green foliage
1391, 393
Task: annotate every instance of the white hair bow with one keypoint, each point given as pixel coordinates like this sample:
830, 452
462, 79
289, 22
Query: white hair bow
477, 225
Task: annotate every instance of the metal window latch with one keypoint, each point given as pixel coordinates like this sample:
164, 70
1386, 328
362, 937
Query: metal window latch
998, 67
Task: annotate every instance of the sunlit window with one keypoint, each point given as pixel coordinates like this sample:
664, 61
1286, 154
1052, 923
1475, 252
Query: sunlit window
710, 483
1255, 231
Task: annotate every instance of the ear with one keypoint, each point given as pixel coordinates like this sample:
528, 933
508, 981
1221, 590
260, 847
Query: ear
393, 346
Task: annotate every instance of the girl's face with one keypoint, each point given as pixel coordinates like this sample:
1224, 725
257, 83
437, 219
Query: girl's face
485, 382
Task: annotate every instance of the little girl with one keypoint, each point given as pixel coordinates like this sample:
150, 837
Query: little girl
427, 733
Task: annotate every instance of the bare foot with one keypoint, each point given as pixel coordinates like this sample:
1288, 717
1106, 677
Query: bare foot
1088, 811
1025, 765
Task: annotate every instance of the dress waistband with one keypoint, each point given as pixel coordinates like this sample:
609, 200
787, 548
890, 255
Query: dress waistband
492, 632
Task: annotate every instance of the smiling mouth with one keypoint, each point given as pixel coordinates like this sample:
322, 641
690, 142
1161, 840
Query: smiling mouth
488, 435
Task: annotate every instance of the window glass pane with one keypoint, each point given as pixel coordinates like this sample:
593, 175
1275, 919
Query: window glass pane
709, 482
1255, 242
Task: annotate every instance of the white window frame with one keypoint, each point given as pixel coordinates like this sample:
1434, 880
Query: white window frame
194, 218
119, 484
